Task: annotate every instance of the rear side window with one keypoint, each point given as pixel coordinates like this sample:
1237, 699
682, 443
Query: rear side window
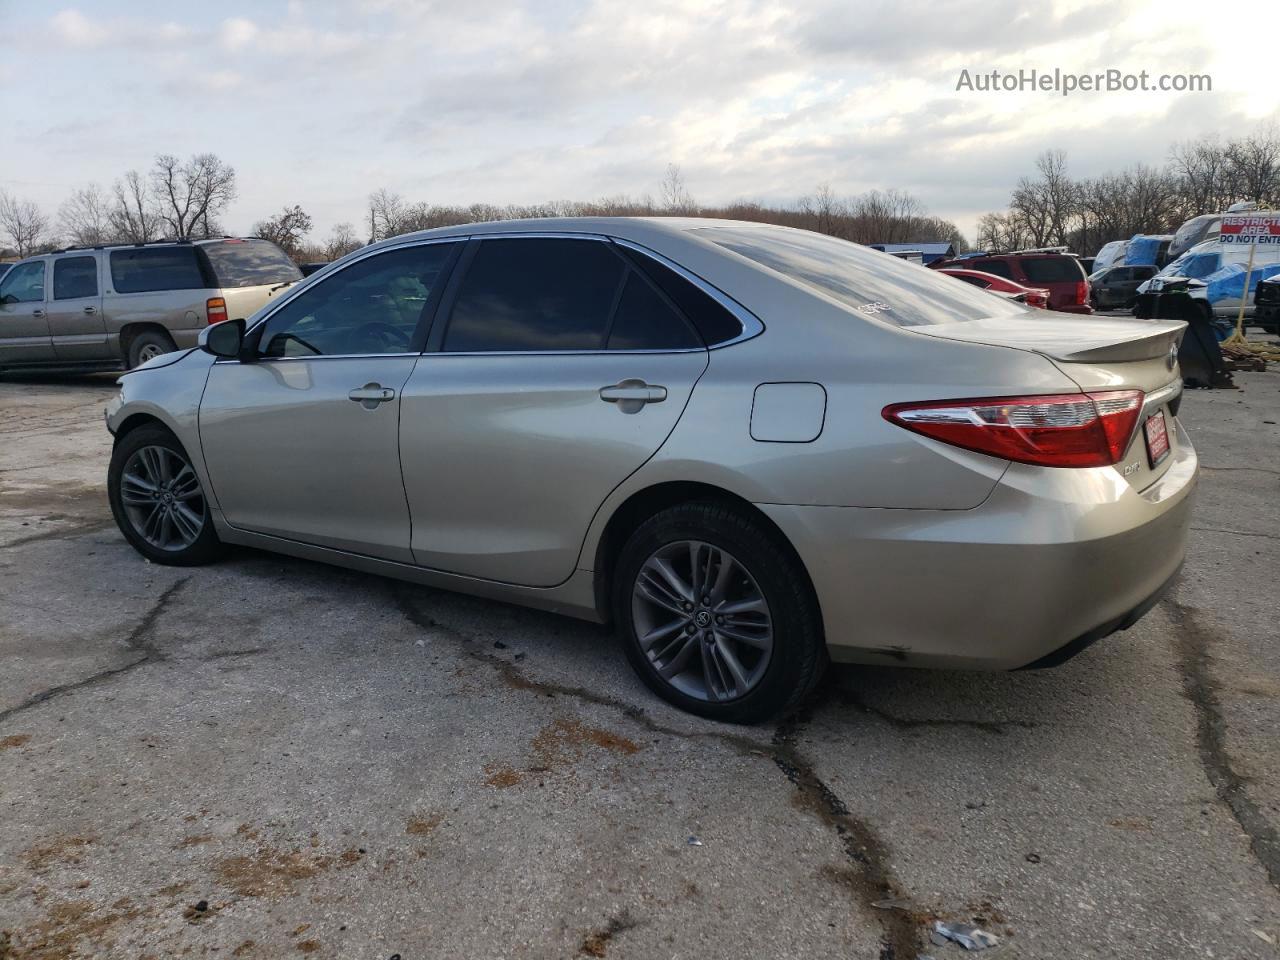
75, 277
145, 269
645, 320
535, 294
714, 322
248, 263
976, 281
999, 267
873, 284
1053, 269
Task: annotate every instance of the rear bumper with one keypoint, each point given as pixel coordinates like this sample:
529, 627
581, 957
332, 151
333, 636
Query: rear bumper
1074, 308
1051, 557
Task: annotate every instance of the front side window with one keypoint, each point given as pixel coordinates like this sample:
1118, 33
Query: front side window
24, 283
526, 294
373, 306
75, 277
148, 269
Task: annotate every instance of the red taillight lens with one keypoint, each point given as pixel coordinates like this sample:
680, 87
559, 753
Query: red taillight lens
1058, 430
216, 309
1082, 292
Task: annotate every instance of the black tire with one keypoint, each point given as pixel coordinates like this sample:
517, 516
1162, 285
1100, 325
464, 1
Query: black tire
204, 547
798, 654
147, 344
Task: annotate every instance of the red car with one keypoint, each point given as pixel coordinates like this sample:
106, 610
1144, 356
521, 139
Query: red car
1031, 296
1059, 273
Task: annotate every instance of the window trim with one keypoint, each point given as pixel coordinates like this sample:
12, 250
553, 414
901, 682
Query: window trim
97, 276
752, 326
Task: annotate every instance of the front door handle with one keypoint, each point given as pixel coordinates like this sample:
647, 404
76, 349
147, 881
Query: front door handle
632, 395
90, 309
371, 394
37, 313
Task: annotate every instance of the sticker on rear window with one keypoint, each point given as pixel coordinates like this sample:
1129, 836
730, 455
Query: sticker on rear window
872, 308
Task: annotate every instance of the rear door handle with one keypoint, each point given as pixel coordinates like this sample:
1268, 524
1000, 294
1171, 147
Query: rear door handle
37, 313
90, 309
371, 394
632, 395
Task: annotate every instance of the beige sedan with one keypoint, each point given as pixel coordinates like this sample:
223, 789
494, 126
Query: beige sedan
749, 447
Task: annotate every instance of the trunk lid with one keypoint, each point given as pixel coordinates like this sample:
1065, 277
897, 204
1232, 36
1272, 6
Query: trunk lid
1099, 354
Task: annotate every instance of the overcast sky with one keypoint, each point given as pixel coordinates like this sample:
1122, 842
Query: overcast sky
473, 100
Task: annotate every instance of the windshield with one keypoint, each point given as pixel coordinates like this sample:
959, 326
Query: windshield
249, 263
873, 283
1191, 233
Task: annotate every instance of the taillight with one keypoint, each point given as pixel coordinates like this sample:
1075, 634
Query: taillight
1082, 292
1058, 430
216, 308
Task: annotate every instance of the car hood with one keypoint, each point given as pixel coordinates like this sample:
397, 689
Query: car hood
1062, 336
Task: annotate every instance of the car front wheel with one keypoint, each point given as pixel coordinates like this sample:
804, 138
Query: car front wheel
158, 501
716, 615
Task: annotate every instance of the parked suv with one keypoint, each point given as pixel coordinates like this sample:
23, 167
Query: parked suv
100, 307
1117, 288
1059, 273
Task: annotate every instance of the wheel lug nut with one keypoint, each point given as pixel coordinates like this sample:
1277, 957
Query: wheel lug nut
720, 621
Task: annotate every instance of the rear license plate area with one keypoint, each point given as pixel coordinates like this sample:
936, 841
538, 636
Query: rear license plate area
1156, 431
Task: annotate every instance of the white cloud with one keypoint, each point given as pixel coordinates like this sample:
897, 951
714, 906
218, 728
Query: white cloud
73, 28
237, 33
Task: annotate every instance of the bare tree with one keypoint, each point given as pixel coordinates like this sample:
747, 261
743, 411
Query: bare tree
386, 215
1255, 165
85, 217
286, 229
133, 214
342, 240
675, 195
24, 224
192, 194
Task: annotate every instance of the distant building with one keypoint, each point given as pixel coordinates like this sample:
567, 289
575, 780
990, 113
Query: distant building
929, 252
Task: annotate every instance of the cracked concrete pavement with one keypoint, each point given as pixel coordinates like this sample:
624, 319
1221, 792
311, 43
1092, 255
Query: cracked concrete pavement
269, 757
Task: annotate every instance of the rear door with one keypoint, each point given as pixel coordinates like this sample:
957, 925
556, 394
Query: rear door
557, 371
301, 440
24, 321
1063, 277
76, 321
248, 273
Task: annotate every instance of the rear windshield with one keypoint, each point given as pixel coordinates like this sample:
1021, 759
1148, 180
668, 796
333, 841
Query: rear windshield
249, 263
144, 269
1053, 269
874, 284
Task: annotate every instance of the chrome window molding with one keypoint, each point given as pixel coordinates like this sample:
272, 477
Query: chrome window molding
751, 324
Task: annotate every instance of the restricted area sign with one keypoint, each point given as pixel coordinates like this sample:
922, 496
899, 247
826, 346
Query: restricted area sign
1243, 228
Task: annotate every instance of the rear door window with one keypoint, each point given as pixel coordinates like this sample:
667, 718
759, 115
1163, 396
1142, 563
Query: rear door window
1052, 269
876, 286
248, 263
147, 269
525, 294
645, 320
74, 278
999, 267
714, 322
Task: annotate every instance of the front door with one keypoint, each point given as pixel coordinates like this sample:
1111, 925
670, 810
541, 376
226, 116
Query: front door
75, 310
301, 437
559, 371
24, 322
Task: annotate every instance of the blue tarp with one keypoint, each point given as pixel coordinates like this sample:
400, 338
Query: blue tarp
1142, 250
1229, 281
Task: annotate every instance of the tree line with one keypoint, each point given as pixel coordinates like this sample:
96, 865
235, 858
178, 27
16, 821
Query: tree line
1050, 208
186, 200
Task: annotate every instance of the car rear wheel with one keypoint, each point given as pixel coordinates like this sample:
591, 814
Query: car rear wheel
147, 346
157, 499
716, 615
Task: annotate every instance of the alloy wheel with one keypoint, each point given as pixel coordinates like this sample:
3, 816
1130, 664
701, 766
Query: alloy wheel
162, 498
702, 620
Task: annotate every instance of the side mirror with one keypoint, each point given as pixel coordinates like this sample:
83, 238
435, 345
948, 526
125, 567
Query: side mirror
223, 339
